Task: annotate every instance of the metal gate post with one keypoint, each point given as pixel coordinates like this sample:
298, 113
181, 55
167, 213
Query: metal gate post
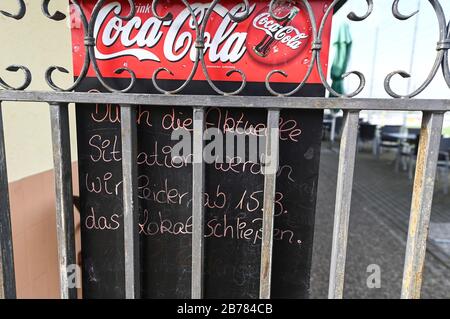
64, 199
130, 201
343, 201
7, 275
422, 198
198, 215
270, 177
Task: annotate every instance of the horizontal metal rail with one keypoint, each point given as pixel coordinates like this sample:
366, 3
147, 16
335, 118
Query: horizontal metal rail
441, 105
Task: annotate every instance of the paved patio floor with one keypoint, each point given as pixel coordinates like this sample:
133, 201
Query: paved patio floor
378, 226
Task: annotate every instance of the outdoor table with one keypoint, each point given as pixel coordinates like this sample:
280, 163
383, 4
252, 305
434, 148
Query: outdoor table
409, 137
401, 137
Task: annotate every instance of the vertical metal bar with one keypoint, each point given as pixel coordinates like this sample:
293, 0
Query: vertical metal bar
343, 201
130, 201
422, 197
198, 217
7, 275
270, 171
64, 199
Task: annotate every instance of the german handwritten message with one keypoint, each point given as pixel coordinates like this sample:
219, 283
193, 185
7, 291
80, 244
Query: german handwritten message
233, 199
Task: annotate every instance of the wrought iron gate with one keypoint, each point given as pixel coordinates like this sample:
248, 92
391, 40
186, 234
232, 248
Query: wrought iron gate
58, 99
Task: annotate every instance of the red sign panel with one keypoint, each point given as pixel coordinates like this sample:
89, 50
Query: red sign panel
255, 46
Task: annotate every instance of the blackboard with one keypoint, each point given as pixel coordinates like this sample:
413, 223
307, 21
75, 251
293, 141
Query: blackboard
233, 202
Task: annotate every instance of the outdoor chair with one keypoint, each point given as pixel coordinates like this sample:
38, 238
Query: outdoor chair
338, 126
407, 148
367, 133
386, 141
337, 130
415, 131
326, 126
443, 164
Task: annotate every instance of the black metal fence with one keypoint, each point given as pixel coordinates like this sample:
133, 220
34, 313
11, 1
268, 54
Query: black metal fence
58, 99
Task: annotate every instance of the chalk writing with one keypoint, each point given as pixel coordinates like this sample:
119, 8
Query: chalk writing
95, 221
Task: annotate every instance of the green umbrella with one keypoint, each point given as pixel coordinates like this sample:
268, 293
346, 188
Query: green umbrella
343, 44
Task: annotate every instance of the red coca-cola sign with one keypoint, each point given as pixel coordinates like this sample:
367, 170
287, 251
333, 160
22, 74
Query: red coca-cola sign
255, 46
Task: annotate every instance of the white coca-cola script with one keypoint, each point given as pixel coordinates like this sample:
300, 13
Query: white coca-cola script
139, 36
288, 35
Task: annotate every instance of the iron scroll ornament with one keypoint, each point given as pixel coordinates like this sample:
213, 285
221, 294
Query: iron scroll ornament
445, 45
441, 54
16, 67
316, 47
200, 25
20, 14
89, 46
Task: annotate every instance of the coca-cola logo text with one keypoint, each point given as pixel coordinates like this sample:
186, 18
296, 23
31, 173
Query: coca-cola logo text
225, 45
288, 35
272, 42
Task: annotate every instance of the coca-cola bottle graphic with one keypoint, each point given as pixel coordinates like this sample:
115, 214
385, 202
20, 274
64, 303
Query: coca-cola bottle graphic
263, 48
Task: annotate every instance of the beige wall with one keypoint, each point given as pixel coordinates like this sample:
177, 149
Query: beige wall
36, 42
34, 235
